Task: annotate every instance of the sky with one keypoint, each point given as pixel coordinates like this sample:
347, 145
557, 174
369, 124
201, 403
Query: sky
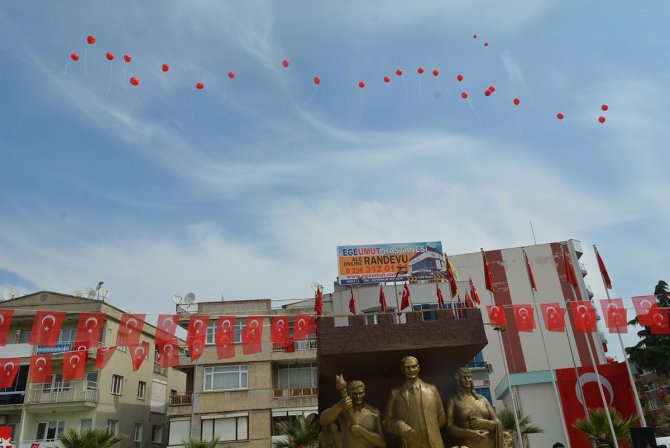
244, 189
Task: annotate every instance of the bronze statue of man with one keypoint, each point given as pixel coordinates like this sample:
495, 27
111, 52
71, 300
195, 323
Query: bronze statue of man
471, 418
360, 424
414, 411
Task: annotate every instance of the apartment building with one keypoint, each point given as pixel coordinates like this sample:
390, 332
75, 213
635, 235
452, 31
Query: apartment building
240, 399
115, 397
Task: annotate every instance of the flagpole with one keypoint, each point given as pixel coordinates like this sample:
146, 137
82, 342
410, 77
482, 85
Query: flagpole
638, 406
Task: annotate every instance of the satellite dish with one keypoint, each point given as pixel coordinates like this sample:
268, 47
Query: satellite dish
316, 285
89, 293
10, 293
75, 292
189, 298
104, 292
177, 299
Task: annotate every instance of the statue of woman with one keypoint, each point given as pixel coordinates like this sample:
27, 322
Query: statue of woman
471, 418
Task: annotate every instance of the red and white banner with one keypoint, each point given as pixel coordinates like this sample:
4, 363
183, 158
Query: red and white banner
616, 318
89, 329
225, 337
583, 316
166, 327
74, 364
6, 436
5, 322
279, 330
616, 386
197, 335
252, 335
103, 355
300, 327
138, 353
497, 315
46, 328
552, 314
130, 329
40, 368
643, 305
168, 353
524, 318
9, 367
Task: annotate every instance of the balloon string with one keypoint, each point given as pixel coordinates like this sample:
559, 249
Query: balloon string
420, 88
311, 97
360, 108
132, 103
109, 84
85, 55
474, 112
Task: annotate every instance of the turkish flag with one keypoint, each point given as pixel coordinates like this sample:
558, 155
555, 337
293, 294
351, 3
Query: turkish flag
89, 329
130, 329
225, 337
459, 306
616, 386
279, 330
312, 326
405, 297
643, 305
6, 436
531, 277
583, 316
290, 346
300, 327
166, 327
488, 275
46, 328
252, 335
318, 302
5, 322
74, 365
603, 270
196, 335
40, 368
569, 272
352, 302
497, 315
9, 368
616, 318
659, 321
473, 292
382, 298
524, 317
468, 301
552, 314
440, 298
103, 355
168, 353
138, 353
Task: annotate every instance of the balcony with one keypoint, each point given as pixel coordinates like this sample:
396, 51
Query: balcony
299, 392
181, 400
60, 347
63, 393
307, 344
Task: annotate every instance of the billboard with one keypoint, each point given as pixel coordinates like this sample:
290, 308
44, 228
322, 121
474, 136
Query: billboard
377, 263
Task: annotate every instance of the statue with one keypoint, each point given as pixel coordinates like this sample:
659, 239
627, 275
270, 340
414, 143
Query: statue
414, 411
471, 418
329, 435
359, 423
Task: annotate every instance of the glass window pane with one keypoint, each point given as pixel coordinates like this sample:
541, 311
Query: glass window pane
207, 429
242, 428
226, 428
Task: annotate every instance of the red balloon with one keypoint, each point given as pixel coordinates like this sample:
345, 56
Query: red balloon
109, 56
560, 116
134, 81
517, 101
165, 67
474, 36
361, 84
487, 93
317, 80
127, 58
387, 79
436, 72
285, 63
601, 119
90, 39
231, 75
398, 72
492, 89
74, 57
464, 95
420, 70
459, 77
486, 44
200, 85
604, 107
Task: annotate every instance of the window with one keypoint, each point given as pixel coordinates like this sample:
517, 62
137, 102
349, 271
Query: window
113, 426
137, 432
178, 428
427, 315
24, 338
211, 331
226, 377
288, 416
157, 434
92, 380
85, 423
141, 389
67, 335
296, 376
117, 385
234, 427
49, 431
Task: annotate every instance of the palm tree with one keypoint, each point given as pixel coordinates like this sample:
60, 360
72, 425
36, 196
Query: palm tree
525, 424
297, 433
89, 438
195, 443
597, 429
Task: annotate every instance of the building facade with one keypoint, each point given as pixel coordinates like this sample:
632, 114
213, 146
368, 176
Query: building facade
115, 397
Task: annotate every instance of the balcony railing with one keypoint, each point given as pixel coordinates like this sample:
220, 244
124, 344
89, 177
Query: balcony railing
298, 392
60, 347
307, 344
181, 400
65, 392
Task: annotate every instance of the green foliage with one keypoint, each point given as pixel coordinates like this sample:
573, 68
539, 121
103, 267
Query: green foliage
525, 423
652, 352
195, 443
297, 434
90, 438
597, 429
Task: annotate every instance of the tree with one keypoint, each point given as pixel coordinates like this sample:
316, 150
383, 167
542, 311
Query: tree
597, 428
652, 352
89, 438
297, 433
525, 423
195, 443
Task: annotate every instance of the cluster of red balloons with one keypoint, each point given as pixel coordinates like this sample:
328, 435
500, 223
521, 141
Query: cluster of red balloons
604, 108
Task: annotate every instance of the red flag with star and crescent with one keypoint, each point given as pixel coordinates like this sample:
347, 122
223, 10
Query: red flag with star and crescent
138, 353
89, 329
468, 301
660, 324
166, 327
9, 368
130, 329
40, 368
603, 270
6, 436
451, 277
5, 322
405, 297
352, 302
524, 318
103, 355
569, 271
168, 353
225, 337
488, 275
318, 301
497, 315
46, 328
382, 299
74, 365
252, 335
279, 331
300, 327
552, 314
531, 277
196, 335
473, 292
583, 316
643, 306
616, 318
440, 297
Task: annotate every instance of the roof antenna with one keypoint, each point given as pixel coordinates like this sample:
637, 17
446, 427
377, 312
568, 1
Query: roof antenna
533, 232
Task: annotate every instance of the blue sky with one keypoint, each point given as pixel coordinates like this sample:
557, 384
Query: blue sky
245, 188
